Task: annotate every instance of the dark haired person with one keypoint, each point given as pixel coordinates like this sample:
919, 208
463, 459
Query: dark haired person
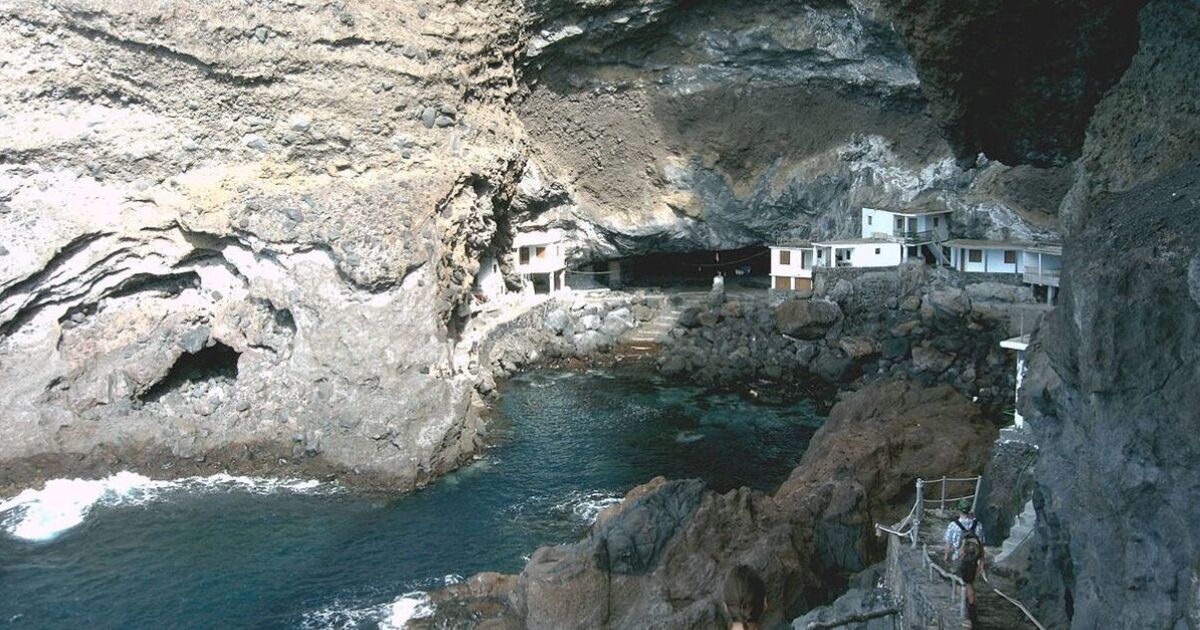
745, 598
964, 544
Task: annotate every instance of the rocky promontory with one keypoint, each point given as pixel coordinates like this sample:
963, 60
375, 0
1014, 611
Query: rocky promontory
657, 558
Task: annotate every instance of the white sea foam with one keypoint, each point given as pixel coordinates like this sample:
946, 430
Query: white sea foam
414, 605
586, 506
62, 504
392, 615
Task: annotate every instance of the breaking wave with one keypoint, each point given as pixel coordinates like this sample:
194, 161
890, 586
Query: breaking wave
62, 504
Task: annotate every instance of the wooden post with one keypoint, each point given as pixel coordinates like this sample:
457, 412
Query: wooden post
975, 499
916, 522
943, 504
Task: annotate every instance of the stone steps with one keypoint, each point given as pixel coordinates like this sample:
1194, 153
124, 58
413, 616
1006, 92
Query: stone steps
1020, 533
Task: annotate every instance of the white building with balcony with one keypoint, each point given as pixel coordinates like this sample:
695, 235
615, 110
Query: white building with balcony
1039, 264
791, 266
540, 258
918, 230
858, 252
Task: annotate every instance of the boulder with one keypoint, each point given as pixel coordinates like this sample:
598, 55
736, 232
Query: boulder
842, 291
590, 322
557, 321
832, 365
708, 319
859, 348
927, 359
895, 348
689, 318
806, 319
732, 309
999, 292
877, 605
945, 304
623, 315
642, 313
590, 342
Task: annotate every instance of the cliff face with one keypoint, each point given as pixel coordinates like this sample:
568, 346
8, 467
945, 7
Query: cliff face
1113, 388
240, 236
236, 232
707, 125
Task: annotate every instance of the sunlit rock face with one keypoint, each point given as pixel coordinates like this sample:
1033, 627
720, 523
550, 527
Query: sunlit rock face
229, 232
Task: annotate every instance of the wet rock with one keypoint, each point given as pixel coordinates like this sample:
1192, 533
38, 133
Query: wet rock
708, 319
895, 348
690, 317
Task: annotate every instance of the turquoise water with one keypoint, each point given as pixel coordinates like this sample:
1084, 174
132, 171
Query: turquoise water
236, 554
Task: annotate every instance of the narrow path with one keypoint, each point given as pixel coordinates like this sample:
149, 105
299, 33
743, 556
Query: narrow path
649, 336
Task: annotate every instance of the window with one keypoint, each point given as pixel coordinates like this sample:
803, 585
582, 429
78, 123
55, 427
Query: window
869, 219
899, 223
524, 255
1010, 257
974, 255
935, 221
785, 257
876, 251
541, 252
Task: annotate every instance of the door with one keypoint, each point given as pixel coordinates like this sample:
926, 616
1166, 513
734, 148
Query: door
782, 283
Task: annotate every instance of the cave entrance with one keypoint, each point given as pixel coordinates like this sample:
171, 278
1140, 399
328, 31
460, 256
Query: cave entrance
745, 268
217, 362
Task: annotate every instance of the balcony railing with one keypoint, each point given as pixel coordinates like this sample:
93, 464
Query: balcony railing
1043, 272
905, 236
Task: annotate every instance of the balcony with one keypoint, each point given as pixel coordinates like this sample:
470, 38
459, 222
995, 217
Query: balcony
906, 237
1047, 277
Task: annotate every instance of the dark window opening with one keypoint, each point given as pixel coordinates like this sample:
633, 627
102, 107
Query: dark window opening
785, 257
975, 255
1010, 257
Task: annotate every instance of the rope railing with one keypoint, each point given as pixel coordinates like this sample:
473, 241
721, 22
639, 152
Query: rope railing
909, 527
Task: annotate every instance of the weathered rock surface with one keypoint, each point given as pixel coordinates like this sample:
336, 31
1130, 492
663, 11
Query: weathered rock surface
806, 319
1112, 390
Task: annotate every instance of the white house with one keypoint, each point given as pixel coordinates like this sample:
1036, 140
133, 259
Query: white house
985, 256
858, 252
1020, 345
489, 282
540, 259
1043, 268
1038, 263
791, 266
918, 230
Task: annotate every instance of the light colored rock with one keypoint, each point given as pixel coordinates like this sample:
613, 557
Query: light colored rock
928, 359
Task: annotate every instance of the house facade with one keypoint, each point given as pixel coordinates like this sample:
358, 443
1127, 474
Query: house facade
858, 252
791, 266
540, 259
918, 231
1039, 264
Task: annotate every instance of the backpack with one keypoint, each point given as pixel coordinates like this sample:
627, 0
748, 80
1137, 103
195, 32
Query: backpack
969, 545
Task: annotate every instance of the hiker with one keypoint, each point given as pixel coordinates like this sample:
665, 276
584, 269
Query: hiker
964, 542
745, 598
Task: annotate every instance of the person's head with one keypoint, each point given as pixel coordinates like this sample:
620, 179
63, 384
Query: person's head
745, 595
964, 506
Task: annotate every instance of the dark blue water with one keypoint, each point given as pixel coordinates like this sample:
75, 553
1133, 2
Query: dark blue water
224, 559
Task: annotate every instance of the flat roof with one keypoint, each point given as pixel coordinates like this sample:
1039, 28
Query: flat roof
1016, 343
856, 241
915, 211
1043, 248
538, 237
792, 244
